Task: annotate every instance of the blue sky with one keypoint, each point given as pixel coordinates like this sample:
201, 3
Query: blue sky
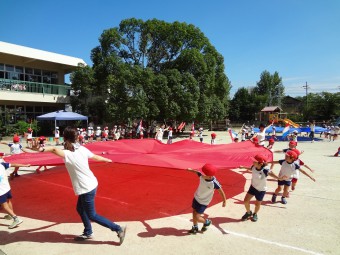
300, 39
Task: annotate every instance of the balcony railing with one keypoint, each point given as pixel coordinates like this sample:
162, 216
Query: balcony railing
34, 87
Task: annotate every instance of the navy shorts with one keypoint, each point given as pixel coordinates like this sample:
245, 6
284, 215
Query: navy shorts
5, 197
286, 183
198, 207
258, 194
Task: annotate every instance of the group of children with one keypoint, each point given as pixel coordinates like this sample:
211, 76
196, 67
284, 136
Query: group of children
288, 176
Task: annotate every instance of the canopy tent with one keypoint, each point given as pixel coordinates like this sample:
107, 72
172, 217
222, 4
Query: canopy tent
62, 115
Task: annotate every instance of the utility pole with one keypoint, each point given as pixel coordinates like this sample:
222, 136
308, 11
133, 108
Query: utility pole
306, 87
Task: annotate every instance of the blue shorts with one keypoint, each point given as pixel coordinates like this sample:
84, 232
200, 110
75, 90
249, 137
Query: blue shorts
198, 207
5, 197
258, 194
286, 183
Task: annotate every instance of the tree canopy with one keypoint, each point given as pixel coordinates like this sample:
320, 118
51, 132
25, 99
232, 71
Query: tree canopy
153, 70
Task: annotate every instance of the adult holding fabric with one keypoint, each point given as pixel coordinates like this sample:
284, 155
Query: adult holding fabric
84, 183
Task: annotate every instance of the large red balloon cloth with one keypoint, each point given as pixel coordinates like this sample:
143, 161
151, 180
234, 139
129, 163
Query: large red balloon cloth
147, 180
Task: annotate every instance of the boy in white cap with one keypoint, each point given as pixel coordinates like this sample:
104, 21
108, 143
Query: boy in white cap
203, 196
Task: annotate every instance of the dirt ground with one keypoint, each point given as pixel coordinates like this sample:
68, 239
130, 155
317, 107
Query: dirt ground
306, 225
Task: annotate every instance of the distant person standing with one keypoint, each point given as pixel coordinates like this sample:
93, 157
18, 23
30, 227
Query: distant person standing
170, 135
29, 138
57, 136
200, 134
213, 138
160, 132
312, 130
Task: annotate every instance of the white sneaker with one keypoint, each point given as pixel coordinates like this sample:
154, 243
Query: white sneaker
15, 223
83, 237
8, 217
121, 235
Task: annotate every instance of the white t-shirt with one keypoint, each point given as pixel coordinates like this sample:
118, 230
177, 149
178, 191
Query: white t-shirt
259, 178
57, 133
82, 178
288, 169
4, 184
262, 137
205, 190
160, 133
29, 135
15, 148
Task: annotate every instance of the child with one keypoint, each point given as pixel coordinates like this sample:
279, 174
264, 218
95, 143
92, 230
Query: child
204, 195
213, 138
41, 144
29, 138
170, 135
300, 163
15, 148
258, 186
270, 144
200, 134
57, 136
243, 135
288, 168
274, 133
255, 140
292, 145
6, 195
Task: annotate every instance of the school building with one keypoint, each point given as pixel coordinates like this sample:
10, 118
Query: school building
32, 82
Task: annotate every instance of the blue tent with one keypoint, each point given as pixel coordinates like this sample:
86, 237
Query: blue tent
62, 115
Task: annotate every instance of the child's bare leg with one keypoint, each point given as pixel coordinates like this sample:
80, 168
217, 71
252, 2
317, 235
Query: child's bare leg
285, 191
278, 190
8, 208
197, 218
247, 202
257, 206
293, 185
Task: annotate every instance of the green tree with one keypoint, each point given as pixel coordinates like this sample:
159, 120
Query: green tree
322, 106
242, 105
271, 86
154, 70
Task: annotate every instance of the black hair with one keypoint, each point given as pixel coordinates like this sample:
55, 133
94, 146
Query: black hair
70, 137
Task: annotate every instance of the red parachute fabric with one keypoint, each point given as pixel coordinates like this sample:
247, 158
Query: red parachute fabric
149, 152
146, 182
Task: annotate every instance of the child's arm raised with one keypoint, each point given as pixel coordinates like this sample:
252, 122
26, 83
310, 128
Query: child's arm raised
244, 167
305, 173
309, 168
193, 170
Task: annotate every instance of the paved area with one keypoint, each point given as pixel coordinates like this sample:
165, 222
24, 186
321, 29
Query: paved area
306, 225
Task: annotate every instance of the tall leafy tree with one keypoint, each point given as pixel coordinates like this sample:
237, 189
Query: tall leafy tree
158, 70
243, 106
271, 86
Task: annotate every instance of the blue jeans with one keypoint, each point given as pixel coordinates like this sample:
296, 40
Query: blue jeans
87, 211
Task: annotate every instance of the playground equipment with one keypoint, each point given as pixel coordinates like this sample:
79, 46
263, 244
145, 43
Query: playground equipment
281, 117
